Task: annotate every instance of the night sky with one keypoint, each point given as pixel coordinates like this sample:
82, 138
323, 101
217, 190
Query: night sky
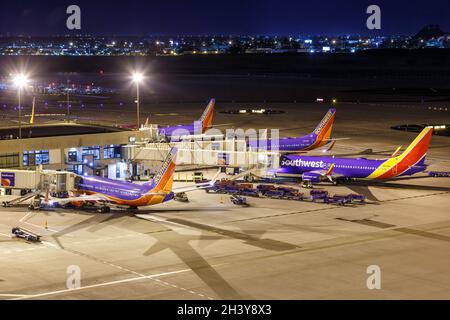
230, 17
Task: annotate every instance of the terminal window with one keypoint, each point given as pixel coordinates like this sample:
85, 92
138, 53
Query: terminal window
9, 160
112, 151
94, 151
35, 158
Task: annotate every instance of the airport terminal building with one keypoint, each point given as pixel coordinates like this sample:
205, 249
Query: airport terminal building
80, 149
122, 154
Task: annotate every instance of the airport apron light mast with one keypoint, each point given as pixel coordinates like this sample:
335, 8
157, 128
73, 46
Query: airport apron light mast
20, 81
137, 78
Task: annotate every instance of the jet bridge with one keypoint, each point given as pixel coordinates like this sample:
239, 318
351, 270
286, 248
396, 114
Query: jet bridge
44, 180
223, 153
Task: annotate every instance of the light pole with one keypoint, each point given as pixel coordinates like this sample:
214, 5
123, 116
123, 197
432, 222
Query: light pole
68, 100
137, 78
20, 81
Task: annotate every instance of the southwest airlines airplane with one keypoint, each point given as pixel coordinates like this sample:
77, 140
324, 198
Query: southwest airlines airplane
197, 128
321, 136
105, 192
316, 169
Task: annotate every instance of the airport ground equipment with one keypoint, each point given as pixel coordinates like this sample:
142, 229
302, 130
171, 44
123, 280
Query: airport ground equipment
270, 191
340, 199
358, 198
36, 203
239, 201
438, 174
198, 177
319, 195
181, 197
25, 234
20, 200
307, 184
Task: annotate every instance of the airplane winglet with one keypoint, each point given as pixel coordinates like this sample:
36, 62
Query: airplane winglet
396, 152
33, 110
331, 146
330, 169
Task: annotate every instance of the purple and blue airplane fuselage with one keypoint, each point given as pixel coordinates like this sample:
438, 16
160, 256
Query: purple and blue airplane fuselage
345, 167
116, 189
196, 128
321, 136
313, 168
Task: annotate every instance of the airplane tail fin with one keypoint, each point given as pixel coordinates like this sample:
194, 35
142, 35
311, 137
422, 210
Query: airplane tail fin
417, 151
413, 156
325, 128
208, 115
163, 180
32, 111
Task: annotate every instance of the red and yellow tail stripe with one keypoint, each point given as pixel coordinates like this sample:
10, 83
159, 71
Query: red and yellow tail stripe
163, 181
395, 166
324, 130
208, 115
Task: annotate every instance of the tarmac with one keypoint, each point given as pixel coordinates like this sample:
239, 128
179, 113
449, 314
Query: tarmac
274, 249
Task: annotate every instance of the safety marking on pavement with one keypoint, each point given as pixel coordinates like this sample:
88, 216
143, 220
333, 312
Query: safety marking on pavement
144, 277
12, 295
26, 217
140, 275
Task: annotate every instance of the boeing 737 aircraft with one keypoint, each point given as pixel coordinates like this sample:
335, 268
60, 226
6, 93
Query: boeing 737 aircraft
197, 128
106, 192
316, 169
321, 136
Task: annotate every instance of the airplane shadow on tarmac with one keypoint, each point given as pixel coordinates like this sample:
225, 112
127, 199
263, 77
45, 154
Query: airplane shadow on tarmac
167, 238
362, 186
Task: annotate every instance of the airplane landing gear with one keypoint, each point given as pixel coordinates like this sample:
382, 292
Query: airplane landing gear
104, 209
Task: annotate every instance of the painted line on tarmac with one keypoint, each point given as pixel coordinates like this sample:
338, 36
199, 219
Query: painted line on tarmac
40, 227
26, 217
141, 275
21, 297
13, 295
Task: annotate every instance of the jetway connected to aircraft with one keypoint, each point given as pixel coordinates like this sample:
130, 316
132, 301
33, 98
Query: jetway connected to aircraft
225, 153
44, 180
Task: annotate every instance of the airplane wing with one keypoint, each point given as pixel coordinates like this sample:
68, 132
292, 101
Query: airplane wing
222, 125
198, 186
90, 198
83, 198
336, 139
